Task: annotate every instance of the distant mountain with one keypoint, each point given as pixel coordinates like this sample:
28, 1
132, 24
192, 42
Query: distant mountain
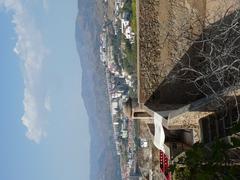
104, 160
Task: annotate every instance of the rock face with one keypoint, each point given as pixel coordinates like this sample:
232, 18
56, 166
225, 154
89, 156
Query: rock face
104, 159
165, 28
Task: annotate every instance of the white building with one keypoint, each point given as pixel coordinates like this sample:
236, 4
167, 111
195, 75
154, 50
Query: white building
129, 34
124, 134
114, 107
124, 24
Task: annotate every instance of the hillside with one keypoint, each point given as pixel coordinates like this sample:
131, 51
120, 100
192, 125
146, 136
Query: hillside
104, 161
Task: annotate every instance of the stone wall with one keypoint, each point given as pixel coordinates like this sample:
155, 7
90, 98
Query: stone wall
164, 31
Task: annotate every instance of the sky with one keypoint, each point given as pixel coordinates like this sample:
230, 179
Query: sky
44, 132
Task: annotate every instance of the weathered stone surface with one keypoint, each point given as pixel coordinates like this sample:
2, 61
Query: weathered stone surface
167, 29
164, 28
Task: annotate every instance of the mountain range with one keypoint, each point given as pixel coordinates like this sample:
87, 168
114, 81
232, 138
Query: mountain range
103, 157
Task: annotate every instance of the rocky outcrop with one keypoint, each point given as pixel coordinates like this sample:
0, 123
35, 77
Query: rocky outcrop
165, 32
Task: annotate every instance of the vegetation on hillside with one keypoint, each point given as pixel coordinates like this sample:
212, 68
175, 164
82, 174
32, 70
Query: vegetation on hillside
134, 16
128, 6
116, 42
131, 7
209, 161
130, 61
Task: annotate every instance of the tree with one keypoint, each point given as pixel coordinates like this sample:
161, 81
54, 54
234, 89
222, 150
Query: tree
212, 64
209, 161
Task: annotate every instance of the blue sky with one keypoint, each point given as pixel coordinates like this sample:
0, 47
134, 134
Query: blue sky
44, 130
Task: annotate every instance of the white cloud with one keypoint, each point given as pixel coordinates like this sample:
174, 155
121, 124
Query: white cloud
29, 47
31, 118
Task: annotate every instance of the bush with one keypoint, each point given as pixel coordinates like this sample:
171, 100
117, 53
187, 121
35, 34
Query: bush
134, 16
130, 62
